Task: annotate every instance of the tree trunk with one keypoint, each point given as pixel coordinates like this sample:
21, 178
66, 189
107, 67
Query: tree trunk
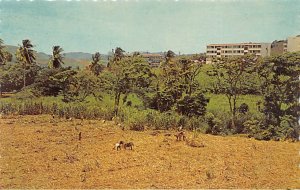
117, 101
233, 121
232, 111
190, 90
24, 78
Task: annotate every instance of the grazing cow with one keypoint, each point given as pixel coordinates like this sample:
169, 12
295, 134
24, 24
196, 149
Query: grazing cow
128, 145
119, 145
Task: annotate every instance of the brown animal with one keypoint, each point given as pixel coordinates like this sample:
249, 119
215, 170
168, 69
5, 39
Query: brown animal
180, 136
128, 145
119, 145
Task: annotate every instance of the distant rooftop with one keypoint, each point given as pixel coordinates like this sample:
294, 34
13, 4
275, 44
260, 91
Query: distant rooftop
229, 44
277, 41
151, 55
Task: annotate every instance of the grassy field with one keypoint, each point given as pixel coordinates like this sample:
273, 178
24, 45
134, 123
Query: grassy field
134, 116
39, 152
217, 102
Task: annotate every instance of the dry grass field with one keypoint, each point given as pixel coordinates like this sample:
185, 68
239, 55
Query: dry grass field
38, 152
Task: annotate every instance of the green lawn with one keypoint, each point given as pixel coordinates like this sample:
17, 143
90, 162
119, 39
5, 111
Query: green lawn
217, 103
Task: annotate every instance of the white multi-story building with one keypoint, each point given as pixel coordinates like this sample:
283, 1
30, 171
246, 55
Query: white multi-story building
237, 49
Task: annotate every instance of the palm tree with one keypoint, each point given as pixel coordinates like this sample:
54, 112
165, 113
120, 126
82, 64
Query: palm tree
2, 58
170, 54
25, 56
118, 54
57, 58
95, 67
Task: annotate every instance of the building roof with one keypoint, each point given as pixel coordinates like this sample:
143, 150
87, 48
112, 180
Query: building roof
230, 44
151, 55
279, 41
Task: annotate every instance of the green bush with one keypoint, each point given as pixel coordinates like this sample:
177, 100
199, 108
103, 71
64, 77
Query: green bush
192, 105
262, 131
257, 130
288, 129
194, 123
244, 108
26, 94
214, 124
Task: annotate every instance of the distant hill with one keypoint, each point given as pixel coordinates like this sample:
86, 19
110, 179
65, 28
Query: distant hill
78, 55
73, 59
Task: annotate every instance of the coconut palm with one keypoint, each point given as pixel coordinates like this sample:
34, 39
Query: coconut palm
2, 58
119, 54
170, 54
4, 55
57, 58
25, 55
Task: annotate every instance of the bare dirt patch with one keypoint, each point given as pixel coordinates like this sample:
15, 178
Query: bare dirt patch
38, 152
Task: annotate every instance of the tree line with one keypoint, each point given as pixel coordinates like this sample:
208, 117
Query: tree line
172, 88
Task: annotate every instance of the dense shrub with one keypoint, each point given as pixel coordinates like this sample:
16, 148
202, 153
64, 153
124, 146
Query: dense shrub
261, 131
289, 128
51, 82
244, 108
195, 123
192, 105
162, 101
214, 124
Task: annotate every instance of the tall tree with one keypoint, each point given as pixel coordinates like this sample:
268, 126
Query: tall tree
279, 79
2, 58
25, 56
190, 71
177, 84
95, 65
80, 85
231, 76
4, 55
127, 75
56, 60
118, 54
169, 55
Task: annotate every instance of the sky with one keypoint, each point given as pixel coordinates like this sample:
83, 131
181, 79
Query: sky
144, 25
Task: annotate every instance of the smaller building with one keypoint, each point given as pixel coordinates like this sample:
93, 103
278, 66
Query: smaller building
154, 59
278, 47
293, 43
